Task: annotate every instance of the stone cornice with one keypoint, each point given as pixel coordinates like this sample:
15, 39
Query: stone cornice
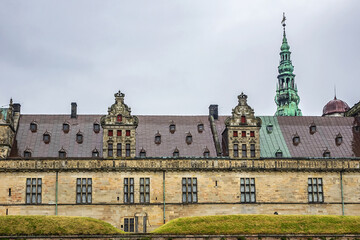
179, 165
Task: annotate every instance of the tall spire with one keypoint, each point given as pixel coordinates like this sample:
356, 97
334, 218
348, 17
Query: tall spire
287, 98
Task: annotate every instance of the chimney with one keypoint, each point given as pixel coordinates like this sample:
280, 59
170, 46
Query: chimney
213, 111
73, 110
16, 107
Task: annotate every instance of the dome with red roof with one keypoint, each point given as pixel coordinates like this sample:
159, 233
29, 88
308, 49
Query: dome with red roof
335, 107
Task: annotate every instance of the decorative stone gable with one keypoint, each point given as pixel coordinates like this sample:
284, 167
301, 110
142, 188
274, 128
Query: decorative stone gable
242, 131
119, 135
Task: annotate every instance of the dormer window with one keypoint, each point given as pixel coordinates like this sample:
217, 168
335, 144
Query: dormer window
243, 119
200, 127
235, 133
338, 140
142, 153
119, 118
96, 127
172, 128
27, 153
279, 154
188, 138
269, 128
157, 138
62, 153
312, 128
95, 153
33, 127
357, 128
206, 153
296, 139
66, 127
46, 137
176, 153
326, 153
79, 137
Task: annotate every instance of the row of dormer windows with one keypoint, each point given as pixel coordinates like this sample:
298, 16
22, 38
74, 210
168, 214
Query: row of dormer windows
338, 139
65, 127
47, 137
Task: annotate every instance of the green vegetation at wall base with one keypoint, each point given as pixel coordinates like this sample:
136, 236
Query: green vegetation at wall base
54, 225
262, 224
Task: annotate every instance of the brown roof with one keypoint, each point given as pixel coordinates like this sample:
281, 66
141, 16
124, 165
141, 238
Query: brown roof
327, 128
311, 145
53, 124
150, 125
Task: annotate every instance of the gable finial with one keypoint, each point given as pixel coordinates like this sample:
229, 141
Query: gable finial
335, 91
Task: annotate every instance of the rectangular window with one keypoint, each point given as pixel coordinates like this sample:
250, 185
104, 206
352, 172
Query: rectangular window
128, 190
236, 150
243, 134
127, 132
127, 150
110, 150
235, 133
247, 190
129, 225
110, 133
118, 150
252, 133
315, 190
84, 190
252, 150
244, 153
189, 190
243, 119
119, 133
145, 190
33, 190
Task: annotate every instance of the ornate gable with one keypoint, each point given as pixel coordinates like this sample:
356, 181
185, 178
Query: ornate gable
242, 135
119, 108
240, 111
119, 135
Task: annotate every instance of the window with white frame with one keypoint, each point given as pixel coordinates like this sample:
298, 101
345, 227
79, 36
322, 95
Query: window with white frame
33, 190
189, 190
84, 190
247, 190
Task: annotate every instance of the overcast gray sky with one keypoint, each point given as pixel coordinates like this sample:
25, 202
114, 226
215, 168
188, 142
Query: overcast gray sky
175, 57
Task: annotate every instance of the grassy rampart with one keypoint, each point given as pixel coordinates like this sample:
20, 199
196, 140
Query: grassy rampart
262, 224
54, 225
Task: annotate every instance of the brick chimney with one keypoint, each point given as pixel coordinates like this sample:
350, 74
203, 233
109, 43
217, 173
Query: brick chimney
213, 111
73, 110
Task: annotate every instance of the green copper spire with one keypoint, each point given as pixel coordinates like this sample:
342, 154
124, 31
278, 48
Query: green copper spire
287, 98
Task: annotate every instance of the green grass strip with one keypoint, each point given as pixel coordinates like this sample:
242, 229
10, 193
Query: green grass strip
54, 225
262, 224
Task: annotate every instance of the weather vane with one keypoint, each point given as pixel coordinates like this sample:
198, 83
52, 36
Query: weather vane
283, 20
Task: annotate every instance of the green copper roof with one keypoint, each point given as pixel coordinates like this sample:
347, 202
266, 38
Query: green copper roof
272, 141
3, 113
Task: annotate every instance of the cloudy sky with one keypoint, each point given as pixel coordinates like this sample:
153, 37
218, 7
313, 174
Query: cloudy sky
175, 57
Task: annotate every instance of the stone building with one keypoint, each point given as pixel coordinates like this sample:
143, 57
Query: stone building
138, 172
